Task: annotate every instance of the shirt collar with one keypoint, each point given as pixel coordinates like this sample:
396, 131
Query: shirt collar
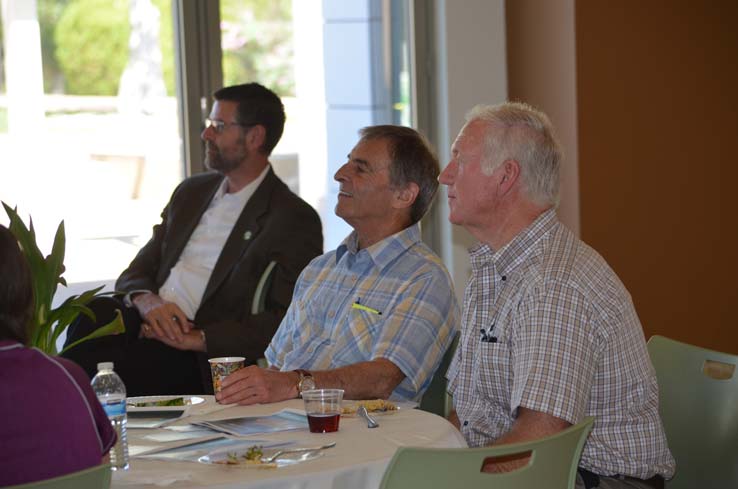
514, 252
386, 250
246, 192
10, 344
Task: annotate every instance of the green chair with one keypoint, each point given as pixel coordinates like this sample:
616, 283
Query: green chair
698, 402
97, 477
436, 399
258, 304
553, 464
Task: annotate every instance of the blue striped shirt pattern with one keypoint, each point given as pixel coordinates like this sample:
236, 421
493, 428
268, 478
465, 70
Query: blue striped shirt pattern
392, 300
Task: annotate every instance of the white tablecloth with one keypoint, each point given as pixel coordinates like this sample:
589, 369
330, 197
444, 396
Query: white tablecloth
357, 461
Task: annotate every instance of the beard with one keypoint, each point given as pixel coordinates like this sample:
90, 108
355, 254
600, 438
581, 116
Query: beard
224, 161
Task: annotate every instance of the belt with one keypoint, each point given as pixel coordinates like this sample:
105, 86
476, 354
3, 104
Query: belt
592, 480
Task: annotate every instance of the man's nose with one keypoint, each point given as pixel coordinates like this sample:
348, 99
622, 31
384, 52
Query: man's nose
340, 173
207, 133
447, 175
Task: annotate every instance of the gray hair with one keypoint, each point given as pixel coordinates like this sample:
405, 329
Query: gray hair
527, 136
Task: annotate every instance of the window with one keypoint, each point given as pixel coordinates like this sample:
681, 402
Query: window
89, 128
97, 129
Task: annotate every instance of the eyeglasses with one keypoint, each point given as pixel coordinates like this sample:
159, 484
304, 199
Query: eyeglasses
219, 126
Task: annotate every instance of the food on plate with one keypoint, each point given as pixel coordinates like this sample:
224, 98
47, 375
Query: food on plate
252, 456
176, 401
372, 406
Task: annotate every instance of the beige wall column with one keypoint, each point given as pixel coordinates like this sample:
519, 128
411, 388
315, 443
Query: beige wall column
541, 69
468, 60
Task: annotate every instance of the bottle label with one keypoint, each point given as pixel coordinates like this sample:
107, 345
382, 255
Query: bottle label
115, 408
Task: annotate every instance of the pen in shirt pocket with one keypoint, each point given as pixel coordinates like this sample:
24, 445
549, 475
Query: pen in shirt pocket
361, 307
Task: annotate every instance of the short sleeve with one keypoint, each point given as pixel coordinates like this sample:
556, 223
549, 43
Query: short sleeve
453, 370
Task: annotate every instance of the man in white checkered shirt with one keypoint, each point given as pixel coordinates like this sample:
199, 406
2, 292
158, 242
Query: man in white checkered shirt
549, 334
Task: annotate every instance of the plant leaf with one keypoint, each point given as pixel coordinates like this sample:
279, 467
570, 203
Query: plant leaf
88, 295
62, 317
115, 326
48, 323
55, 261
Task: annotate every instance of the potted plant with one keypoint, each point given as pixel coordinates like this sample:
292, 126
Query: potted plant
48, 322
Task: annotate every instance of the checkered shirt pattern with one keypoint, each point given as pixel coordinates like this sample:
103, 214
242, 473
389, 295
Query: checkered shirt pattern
568, 343
399, 277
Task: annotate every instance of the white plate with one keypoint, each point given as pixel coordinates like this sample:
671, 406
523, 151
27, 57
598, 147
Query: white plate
188, 401
283, 461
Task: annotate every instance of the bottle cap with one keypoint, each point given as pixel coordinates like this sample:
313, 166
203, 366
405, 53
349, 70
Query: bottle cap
105, 366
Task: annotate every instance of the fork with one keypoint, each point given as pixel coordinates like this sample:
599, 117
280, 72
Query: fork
272, 458
370, 422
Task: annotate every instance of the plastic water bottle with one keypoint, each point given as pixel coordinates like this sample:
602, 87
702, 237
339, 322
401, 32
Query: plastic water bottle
111, 393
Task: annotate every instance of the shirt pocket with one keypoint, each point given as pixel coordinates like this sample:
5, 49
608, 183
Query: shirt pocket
494, 373
357, 338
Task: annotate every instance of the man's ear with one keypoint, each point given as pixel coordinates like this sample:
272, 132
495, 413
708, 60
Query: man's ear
510, 174
405, 197
255, 137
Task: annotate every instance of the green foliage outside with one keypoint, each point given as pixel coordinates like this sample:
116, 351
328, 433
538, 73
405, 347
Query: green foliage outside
92, 45
166, 44
85, 44
74, 33
258, 43
49, 13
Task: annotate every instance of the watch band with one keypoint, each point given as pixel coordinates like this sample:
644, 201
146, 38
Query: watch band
306, 381
128, 298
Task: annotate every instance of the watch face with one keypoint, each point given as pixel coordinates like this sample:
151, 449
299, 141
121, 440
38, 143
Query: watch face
307, 384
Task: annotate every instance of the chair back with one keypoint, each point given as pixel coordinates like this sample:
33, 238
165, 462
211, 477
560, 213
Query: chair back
698, 402
97, 477
553, 464
258, 303
436, 399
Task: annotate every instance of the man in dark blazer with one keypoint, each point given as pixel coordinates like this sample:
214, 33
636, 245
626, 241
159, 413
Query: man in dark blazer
217, 275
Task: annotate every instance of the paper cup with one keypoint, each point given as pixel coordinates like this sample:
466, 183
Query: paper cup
323, 409
222, 367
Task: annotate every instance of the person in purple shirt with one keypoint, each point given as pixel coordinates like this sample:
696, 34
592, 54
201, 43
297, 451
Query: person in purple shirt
51, 423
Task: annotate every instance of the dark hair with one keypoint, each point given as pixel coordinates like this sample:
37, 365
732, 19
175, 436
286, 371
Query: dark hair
16, 291
257, 105
413, 160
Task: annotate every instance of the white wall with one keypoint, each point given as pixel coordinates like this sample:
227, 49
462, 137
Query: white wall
470, 69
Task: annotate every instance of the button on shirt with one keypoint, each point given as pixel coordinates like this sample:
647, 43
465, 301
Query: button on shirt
548, 326
392, 300
188, 279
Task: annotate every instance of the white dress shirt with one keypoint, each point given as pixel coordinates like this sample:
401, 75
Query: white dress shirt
186, 283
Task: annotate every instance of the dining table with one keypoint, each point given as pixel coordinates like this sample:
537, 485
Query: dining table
357, 461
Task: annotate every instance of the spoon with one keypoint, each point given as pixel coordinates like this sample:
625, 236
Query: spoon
370, 422
272, 458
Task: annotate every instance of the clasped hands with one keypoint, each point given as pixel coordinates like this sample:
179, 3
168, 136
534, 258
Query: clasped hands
166, 322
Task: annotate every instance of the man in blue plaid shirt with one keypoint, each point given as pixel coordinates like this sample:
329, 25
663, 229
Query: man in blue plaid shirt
375, 316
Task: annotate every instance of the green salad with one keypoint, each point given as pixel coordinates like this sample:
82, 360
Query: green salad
252, 456
175, 401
